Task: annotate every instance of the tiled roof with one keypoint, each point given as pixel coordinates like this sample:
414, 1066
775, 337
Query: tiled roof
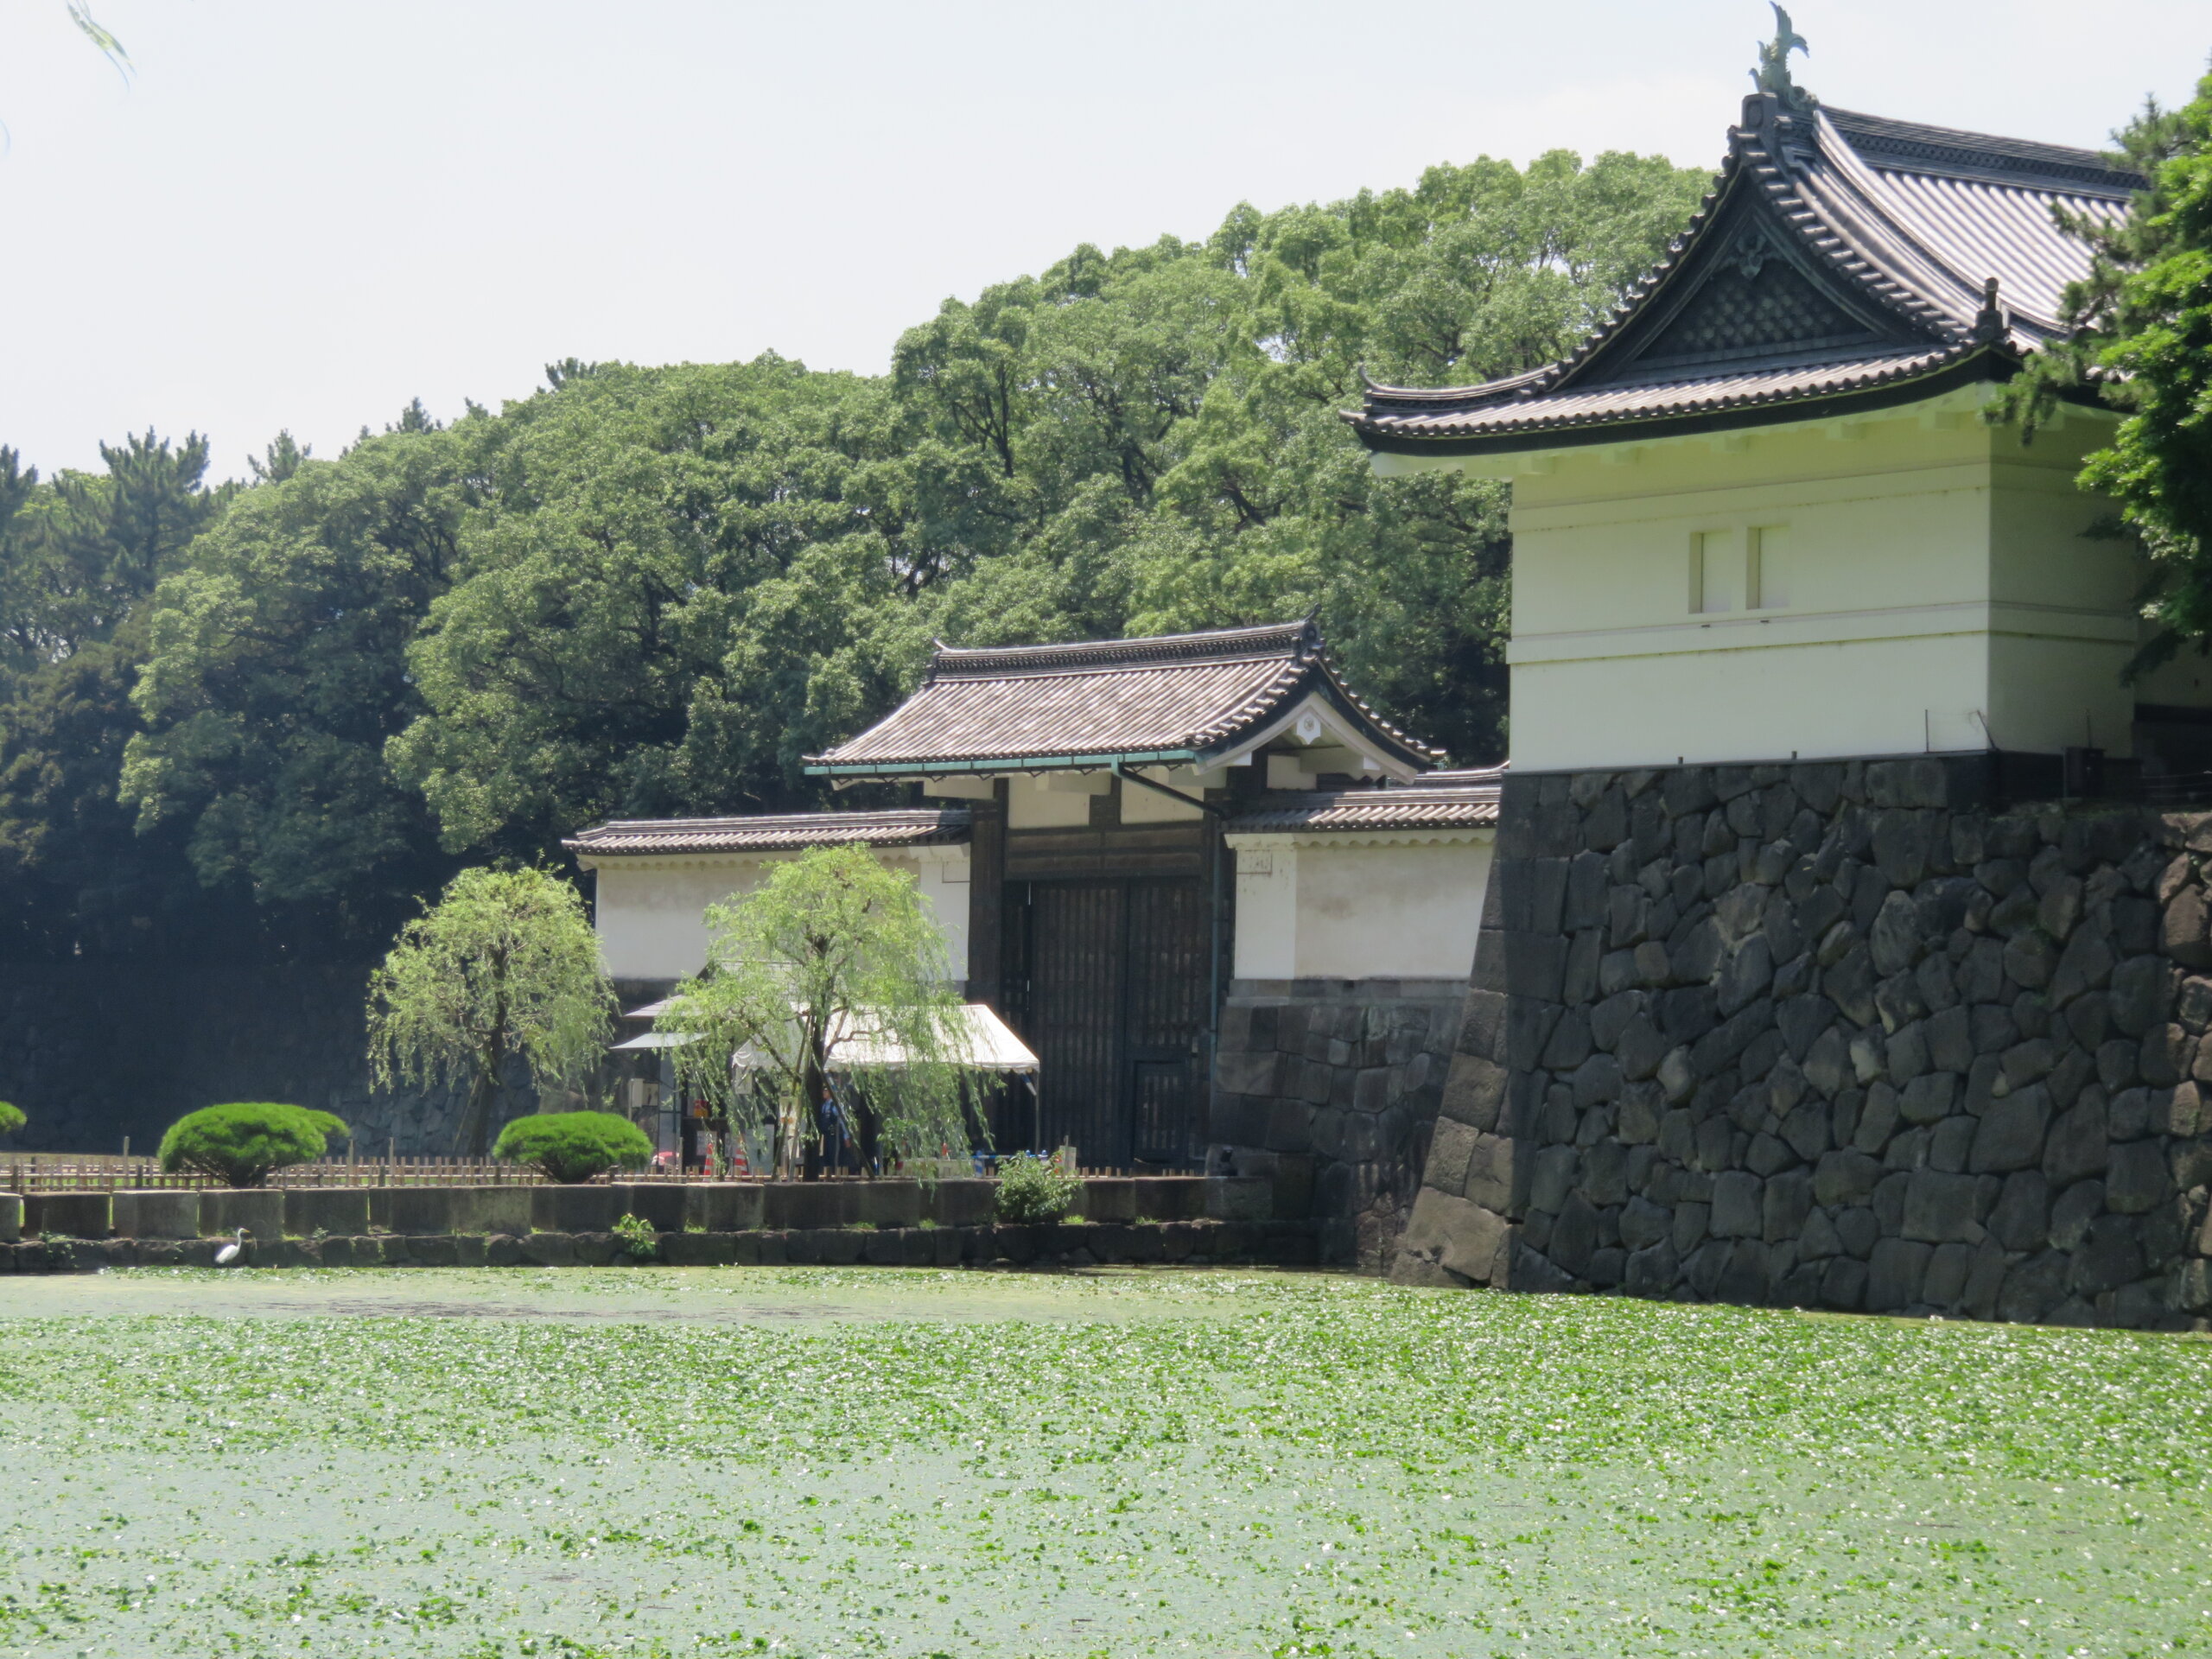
1440, 800
1176, 697
784, 832
1884, 236
1601, 406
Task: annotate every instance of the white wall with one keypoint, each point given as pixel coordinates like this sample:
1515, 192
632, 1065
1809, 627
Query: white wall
1937, 594
1357, 906
1142, 805
652, 911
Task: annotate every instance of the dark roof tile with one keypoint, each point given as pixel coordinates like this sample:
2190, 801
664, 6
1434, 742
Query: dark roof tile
777, 832
1461, 800
1909, 220
1176, 697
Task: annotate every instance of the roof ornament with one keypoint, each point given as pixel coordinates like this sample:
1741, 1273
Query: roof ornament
1992, 325
1750, 255
1772, 76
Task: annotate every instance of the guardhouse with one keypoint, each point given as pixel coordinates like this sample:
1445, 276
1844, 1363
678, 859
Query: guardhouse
1806, 653
1758, 516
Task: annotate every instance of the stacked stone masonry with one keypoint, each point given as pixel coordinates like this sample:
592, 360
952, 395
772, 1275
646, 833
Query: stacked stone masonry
1332, 1087
97, 1048
1835, 1036
1080, 1245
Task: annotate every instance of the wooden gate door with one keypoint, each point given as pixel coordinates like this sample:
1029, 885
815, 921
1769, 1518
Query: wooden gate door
1117, 975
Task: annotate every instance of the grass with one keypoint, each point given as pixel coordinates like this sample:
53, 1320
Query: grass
872, 1462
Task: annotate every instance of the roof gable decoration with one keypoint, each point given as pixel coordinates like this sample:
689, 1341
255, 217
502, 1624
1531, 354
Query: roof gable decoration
1201, 700
1837, 257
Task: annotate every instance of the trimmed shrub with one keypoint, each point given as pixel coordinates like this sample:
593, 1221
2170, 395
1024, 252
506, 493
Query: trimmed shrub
572, 1147
239, 1144
11, 1118
1034, 1189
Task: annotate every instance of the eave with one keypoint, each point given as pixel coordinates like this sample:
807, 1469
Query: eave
1984, 366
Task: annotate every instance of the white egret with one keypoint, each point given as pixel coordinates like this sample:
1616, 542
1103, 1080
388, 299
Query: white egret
233, 1251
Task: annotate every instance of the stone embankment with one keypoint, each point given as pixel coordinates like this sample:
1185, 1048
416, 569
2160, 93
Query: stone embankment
887, 1223
1066, 1245
1833, 1036
1334, 1085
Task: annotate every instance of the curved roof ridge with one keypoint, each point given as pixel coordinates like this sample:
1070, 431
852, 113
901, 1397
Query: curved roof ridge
1918, 147
1093, 656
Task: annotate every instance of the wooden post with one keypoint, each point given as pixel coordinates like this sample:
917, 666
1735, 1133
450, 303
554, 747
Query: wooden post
987, 897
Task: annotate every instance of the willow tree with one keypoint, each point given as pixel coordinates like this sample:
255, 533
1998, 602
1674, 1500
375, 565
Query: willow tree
829, 979
505, 964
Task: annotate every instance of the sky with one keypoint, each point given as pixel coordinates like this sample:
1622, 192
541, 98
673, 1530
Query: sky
303, 215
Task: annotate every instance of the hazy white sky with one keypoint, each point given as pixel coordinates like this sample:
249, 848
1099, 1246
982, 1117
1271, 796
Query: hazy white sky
303, 214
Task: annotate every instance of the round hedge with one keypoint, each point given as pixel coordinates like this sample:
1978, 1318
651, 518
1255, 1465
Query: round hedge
239, 1143
11, 1118
575, 1146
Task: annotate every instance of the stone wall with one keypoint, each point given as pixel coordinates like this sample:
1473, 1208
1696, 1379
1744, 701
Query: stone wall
1842, 1036
96, 1049
1335, 1084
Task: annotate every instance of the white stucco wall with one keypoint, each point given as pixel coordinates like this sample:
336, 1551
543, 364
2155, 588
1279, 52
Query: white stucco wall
1936, 592
652, 911
1351, 906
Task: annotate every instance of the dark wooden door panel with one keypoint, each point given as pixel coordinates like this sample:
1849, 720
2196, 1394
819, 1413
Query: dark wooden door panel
1076, 990
1112, 996
1167, 1128
1169, 947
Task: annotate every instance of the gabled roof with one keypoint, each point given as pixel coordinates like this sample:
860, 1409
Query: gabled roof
1840, 261
1440, 800
1184, 699
773, 833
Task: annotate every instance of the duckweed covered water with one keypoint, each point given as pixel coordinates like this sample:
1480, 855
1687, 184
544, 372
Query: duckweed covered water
845, 1461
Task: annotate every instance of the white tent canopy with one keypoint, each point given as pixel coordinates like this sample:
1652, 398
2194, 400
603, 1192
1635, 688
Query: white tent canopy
983, 1041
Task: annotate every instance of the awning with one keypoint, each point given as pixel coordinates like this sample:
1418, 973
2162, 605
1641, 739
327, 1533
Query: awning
985, 1042
655, 1039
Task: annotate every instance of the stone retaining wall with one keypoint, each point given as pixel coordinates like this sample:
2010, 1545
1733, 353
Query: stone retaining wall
1331, 1086
98, 1048
270, 1213
1076, 1244
1837, 1036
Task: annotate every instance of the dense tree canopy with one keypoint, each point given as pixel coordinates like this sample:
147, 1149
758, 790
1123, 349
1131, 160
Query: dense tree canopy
2141, 341
79, 556
645, 591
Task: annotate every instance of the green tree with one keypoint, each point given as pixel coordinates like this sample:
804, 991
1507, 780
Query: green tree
833, 968
79, 555
277, 672
2141, 339
639, 539
505, 965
